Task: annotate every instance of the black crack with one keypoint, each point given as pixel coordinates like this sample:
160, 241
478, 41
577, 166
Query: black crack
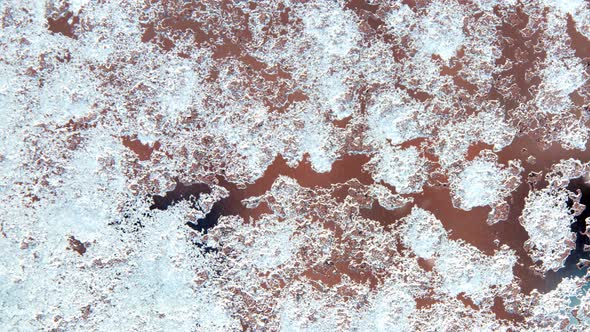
192, 192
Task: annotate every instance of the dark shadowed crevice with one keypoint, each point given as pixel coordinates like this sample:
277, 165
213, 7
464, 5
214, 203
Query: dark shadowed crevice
211, 218
179, 193
572, 267
192, 193
204, 248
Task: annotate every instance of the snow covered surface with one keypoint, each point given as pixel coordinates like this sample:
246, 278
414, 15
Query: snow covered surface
348, 163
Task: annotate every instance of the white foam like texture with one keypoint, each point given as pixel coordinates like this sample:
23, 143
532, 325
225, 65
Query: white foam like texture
441, 30
423, 233
481, 182
393, 116
389, 310
405, 169
547, 219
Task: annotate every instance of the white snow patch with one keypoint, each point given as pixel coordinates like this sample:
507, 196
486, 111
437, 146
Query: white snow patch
566, 6
405, 169
547, 219
387, 199
394, 116
331, 27
488, 127
423, 233
480, 183
441, 30
389, 311
465, 269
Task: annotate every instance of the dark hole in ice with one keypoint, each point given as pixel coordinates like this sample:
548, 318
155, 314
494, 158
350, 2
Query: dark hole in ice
210, 220
179, 193
129, 217
205, 249
191, 192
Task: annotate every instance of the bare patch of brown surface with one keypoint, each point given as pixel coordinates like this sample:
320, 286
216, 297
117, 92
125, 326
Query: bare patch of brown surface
580, 43
500, 311
76, 245
143, 151
63, 23
520, 46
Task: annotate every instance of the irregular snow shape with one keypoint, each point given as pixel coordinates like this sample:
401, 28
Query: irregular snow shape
479, 184
269, 244
488, 127
225, 89
547, 218
562, 72
580, 11
183, 93
394, 116
331, 27
566, 7
440, 31
158, 290
288, 190
423, 233
334, 35
481, 51
90, 191
386, 198
309, 310
333, 92
483, 181
454, 315
389, 310
322, 152
573, 133
405, 169
68, 94
488, 5
560, 77
583, 314
554, 310
400, 19
465, 269
565, 170
76, 5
